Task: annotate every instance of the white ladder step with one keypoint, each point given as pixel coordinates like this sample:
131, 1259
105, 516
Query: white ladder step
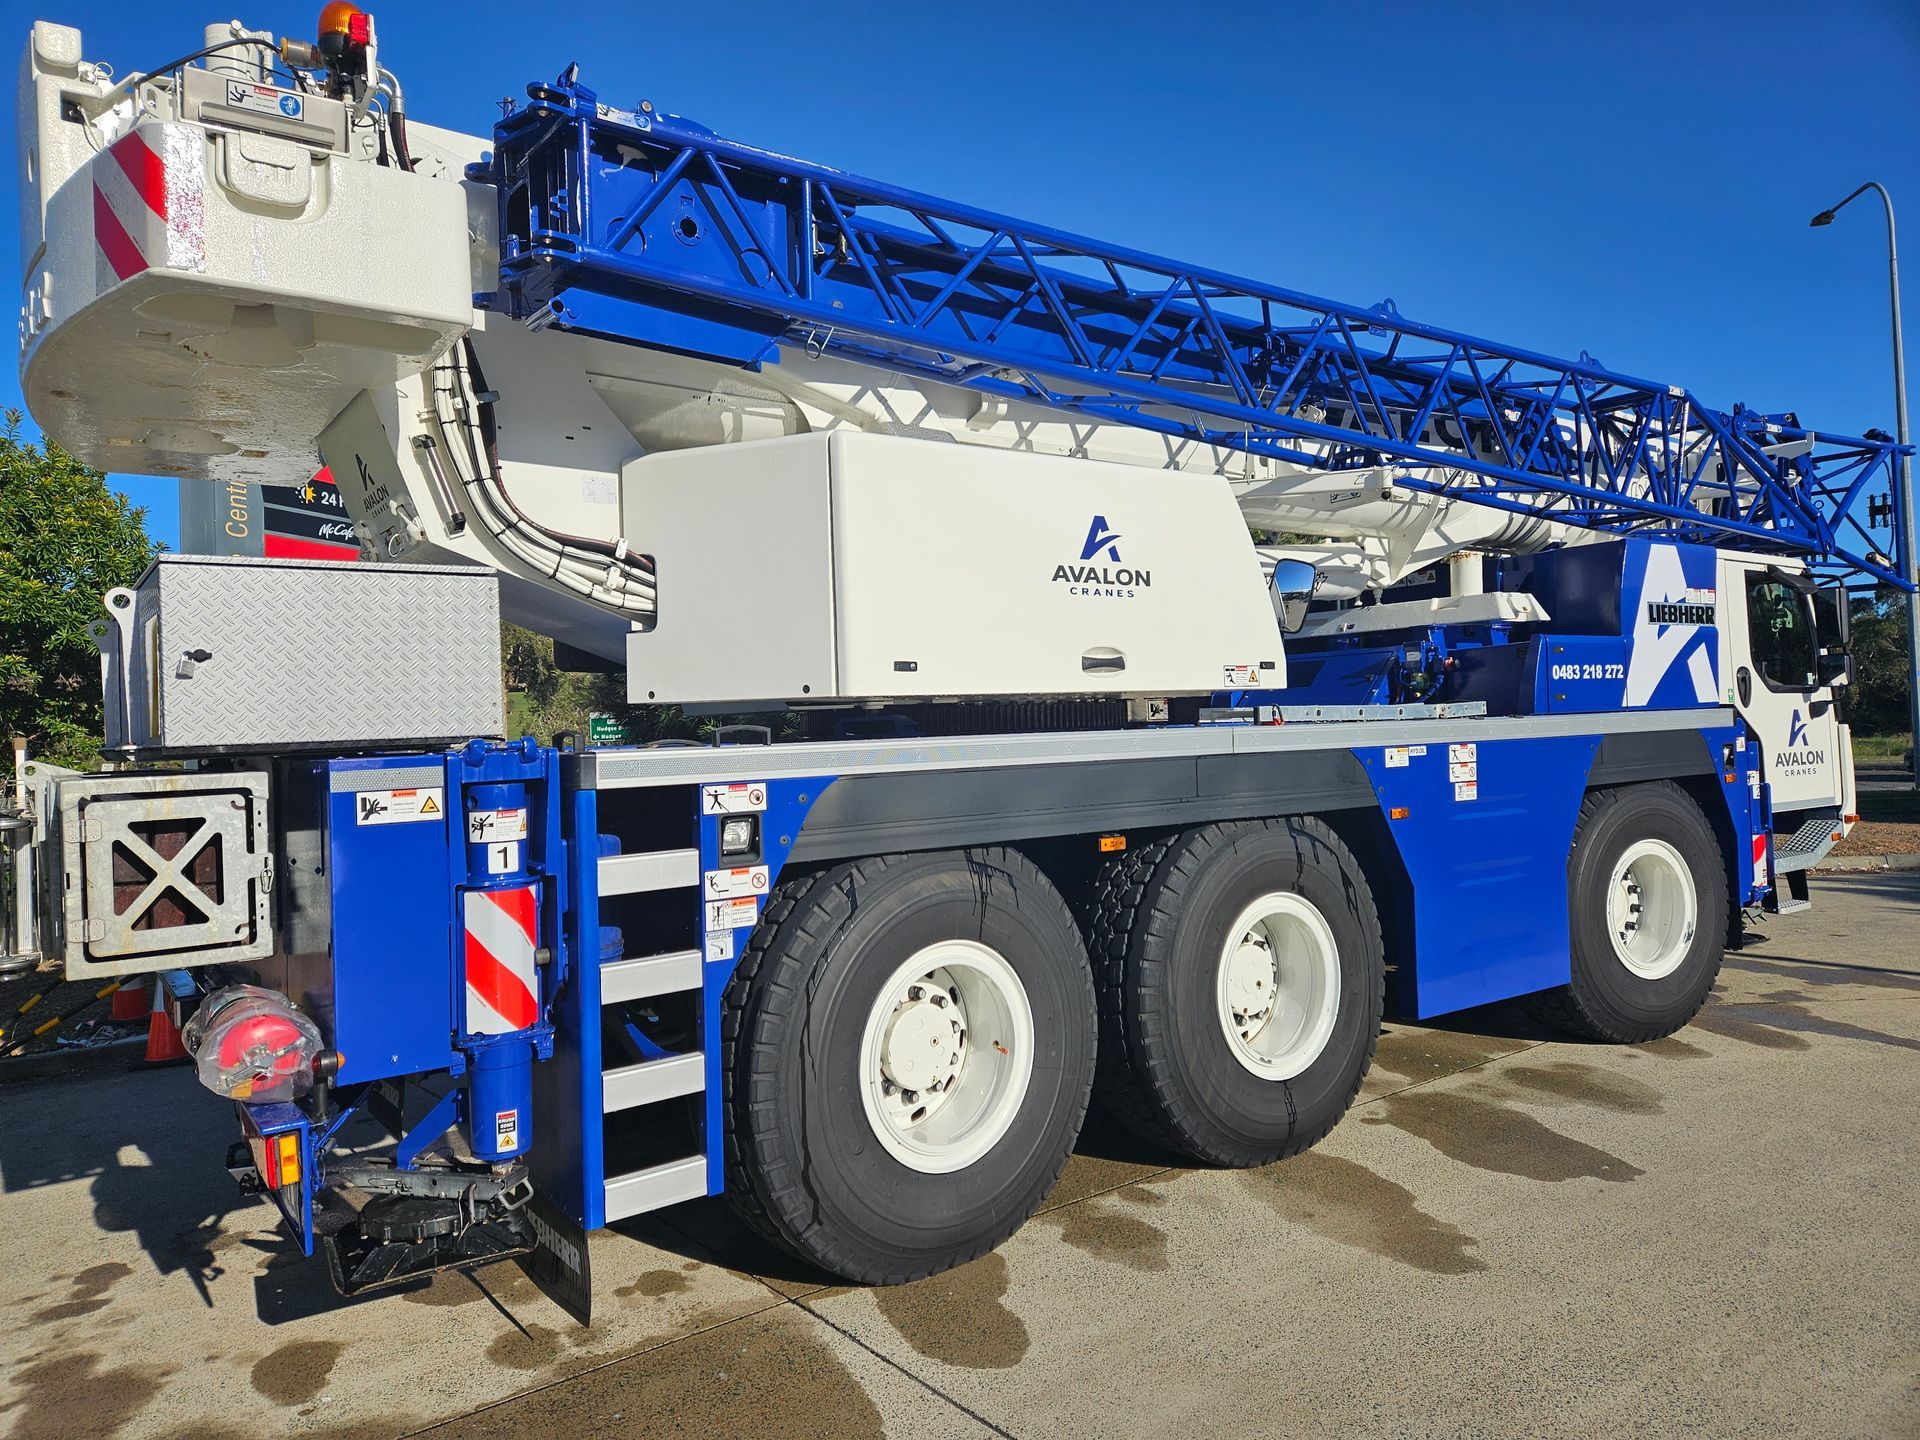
649, 870
656, 1186
652, 1080
638, 977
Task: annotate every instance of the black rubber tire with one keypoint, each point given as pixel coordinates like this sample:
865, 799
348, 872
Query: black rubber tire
1605, 1000
803, 1164
1157, 924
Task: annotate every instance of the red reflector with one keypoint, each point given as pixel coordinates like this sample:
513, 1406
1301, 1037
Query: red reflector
277, 1158
360, 27
266, 1160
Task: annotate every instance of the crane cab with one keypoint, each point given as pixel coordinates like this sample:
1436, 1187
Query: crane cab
1784, 667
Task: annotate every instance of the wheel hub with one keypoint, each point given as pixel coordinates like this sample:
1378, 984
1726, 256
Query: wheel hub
1629, 909
925, 1043
1251, 982
1652, 907
1278, 985
937, 1097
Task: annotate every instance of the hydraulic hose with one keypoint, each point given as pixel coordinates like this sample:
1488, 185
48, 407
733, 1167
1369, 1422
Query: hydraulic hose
603, 572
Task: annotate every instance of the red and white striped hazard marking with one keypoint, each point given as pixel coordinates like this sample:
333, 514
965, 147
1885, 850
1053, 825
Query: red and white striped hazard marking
501, 928
1760, 857
149, 203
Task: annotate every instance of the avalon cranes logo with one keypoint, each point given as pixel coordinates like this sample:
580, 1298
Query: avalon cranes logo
1114, 580
1801, 758
1099, 538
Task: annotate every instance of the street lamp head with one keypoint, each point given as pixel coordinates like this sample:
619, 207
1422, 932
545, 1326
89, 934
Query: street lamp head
1825, 217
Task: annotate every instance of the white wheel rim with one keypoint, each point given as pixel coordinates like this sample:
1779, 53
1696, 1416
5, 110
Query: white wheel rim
1651, 909
946, 1055
1278, 986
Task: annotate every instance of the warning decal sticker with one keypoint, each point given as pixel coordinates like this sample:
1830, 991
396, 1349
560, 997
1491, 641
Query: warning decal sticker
729, 914
726, 884
740, 799
398, 807
1463, 769
486, 826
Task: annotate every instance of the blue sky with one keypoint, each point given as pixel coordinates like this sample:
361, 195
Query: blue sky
1633, 180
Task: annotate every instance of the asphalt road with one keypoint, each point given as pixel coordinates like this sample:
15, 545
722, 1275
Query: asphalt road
1882, 775
1510, 1234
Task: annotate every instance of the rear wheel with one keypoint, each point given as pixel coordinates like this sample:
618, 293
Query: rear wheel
909, 1047
1240, 970
1647, 905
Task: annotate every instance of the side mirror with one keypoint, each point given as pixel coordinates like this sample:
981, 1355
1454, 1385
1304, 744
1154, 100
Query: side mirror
1832, 635
1294, 582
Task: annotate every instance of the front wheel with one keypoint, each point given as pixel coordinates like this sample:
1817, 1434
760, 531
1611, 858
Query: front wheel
1647, 900
909, 1047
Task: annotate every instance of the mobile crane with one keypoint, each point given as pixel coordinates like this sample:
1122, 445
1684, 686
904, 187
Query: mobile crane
1171, 670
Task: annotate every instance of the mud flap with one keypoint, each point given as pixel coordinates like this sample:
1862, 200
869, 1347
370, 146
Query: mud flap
558, 1261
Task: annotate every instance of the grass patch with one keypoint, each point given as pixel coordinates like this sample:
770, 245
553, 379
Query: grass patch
1880, 747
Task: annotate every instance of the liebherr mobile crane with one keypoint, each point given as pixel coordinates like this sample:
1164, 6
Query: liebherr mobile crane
1170, 671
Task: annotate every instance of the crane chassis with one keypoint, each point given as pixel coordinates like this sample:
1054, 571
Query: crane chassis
1053, 776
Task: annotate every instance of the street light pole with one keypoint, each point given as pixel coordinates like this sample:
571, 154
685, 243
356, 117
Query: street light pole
1904, 500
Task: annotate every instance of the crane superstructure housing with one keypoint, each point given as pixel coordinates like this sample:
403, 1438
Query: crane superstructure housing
1112, 665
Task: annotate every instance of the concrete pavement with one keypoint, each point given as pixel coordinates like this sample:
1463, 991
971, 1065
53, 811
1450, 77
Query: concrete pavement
1510, 1234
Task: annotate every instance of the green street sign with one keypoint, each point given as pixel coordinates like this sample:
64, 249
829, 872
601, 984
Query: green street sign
605, 730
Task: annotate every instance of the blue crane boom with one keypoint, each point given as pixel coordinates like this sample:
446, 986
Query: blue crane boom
647, 228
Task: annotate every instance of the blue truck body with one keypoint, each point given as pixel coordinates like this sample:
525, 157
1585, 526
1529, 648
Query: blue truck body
1472, 875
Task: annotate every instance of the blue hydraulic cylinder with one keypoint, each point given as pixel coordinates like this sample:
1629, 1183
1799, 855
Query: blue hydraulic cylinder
504, 951
499, 1118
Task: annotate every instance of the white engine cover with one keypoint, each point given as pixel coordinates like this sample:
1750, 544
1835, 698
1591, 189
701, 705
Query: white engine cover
850, 566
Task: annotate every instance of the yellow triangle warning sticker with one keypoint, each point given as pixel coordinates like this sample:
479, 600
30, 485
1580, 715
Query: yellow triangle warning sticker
427, 807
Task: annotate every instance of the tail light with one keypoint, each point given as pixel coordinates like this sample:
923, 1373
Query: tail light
250, 1043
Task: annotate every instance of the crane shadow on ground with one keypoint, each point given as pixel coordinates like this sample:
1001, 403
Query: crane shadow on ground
141, 1141
709, 1231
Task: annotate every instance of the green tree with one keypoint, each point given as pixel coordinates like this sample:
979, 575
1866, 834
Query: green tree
65, 540
526, 662
543, 699
1877, 698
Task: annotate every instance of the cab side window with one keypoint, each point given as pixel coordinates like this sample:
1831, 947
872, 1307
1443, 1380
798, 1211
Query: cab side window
1780, 629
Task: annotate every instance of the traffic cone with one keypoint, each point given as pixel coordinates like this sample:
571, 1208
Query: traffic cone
129, 1003
163, 1031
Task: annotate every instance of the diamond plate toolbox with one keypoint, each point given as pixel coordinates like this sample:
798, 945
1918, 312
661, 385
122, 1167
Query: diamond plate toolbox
213, 653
